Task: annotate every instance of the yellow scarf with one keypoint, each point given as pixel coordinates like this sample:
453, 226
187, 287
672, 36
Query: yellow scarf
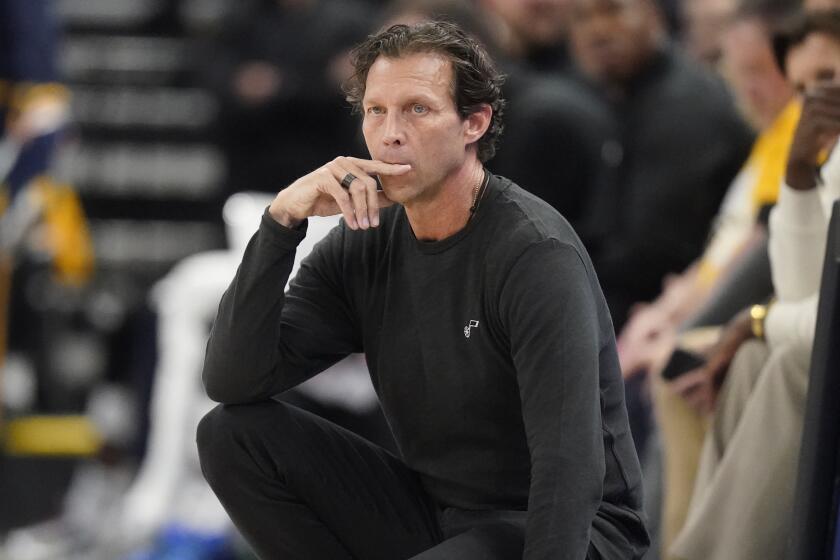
770, 153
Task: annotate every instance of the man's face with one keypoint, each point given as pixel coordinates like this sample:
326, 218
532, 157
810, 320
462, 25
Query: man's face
410, 117
535, 22
816, 59
612, 39
705, 22
751, 70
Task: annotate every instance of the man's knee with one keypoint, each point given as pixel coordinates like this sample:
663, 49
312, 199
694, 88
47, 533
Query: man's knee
209, 434
744, 372
785, 380
229, 434
751, 356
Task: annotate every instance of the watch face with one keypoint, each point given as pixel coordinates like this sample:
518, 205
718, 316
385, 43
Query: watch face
757, 315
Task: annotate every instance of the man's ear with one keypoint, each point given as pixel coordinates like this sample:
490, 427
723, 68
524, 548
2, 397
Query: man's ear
477, 123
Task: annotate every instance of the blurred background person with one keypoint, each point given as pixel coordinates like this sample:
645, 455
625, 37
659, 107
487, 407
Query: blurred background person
733, 270
537, 31
34, 108
756, 378
533, 32
667, 181
651, 214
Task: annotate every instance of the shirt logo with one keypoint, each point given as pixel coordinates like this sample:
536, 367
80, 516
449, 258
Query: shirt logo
471, 325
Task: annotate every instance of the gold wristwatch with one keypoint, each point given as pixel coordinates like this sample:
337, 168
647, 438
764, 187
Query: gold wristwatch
758, 313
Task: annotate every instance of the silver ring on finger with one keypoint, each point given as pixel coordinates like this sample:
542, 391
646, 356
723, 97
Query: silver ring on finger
349, 178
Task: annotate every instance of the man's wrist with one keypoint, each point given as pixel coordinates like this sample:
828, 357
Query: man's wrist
281, 215
801, 176
758, 317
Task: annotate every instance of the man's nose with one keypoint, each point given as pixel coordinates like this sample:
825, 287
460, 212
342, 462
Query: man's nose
394, 130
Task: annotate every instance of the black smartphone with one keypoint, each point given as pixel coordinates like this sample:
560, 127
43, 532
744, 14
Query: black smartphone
681, 362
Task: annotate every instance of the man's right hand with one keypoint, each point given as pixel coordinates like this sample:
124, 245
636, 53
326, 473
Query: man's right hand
700, 388
320, 193
818, 128
640, 337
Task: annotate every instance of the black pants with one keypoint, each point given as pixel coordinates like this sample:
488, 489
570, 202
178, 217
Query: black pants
298, 486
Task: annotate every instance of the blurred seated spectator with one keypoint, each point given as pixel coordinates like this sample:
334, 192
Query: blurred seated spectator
767, 100
553, 141
533, 32
755, 379
675, 145
277, 73
738, 242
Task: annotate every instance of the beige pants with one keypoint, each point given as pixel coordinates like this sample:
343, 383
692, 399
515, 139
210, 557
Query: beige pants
681, 431
746, 478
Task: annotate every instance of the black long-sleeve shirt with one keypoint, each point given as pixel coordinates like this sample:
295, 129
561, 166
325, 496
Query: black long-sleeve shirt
492, 353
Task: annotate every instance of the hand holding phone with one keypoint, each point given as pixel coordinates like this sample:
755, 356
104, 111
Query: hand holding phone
681, 362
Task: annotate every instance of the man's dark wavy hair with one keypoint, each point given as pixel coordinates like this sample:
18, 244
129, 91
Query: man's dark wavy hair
826, 21
477, 80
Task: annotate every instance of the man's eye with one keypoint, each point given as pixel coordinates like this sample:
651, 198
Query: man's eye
419, 109
374, 110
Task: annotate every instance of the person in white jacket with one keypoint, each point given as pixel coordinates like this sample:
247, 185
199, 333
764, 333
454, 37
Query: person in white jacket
755, 381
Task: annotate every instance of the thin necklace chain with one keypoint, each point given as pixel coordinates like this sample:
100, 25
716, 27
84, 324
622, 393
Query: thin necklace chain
479, 188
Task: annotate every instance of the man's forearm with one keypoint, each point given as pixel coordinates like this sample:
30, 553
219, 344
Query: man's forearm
242, 353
